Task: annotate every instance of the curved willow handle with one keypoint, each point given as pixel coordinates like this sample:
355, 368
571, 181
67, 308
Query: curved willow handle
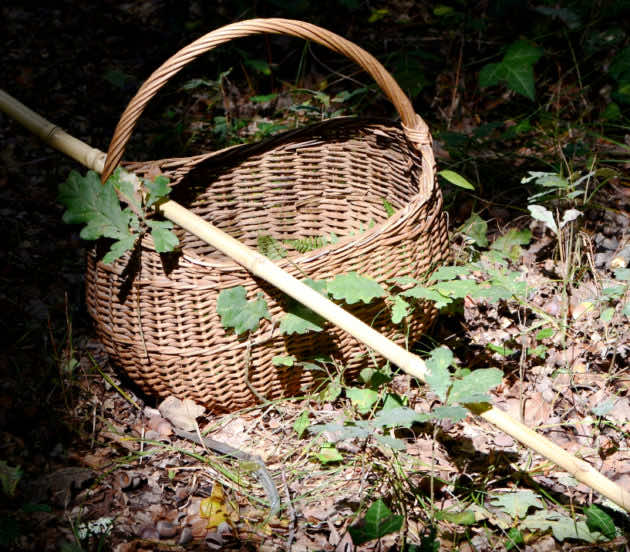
416, 129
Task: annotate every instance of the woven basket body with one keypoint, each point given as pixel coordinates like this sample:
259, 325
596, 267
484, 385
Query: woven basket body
156, 314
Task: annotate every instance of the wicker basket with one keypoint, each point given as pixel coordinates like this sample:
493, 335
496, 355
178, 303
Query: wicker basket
156, 314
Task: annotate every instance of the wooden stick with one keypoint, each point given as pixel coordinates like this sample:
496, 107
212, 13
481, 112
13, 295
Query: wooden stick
263, 267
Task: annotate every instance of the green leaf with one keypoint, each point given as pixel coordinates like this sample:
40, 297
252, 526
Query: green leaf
119, 248
598, 520
353, 287
420, 292
299, 319
279, 360
501, 349
545, 215
163, 236
476, 229
379, 521
457, 289
453, 413
467, 517
562, 526
509, 244
362, 399
522, 53
516, 69
607, 314
620, 64
515, 539
391, 442
301, 423
271, 248
519, 66
128, 184
400, 309
456, 179
264, 98
492, 74
238, 313
450, 272
626, 309
328, 453
331, 392
544, 334
622, 274
259, 65
399, 417
517, 503
438, 377
9, 478
158, 189
474, 387
389, 209
96, 205
602, 409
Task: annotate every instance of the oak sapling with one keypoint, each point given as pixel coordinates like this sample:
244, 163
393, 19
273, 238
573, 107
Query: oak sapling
98, 207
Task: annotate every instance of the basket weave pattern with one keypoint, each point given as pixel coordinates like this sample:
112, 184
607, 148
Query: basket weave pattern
156, 314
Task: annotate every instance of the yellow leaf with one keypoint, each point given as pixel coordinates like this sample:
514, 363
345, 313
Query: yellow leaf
213, 508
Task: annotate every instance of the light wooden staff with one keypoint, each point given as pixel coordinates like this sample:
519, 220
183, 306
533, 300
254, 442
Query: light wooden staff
264, 268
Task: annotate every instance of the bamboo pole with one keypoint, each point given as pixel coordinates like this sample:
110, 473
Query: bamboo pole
263, 267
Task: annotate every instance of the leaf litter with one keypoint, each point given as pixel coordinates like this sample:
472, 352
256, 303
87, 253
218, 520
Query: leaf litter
129, 464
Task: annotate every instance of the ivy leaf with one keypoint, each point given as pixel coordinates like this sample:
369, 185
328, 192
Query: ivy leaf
598, 520
362, 399
438, 377
379, 521
300, 319
516, 69
519, 63
238, 313
474, 387
164, 238
96, 205
517, 503
491, 74
400, 309
353, 287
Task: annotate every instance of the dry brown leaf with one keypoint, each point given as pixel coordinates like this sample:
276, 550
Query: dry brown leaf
182, 414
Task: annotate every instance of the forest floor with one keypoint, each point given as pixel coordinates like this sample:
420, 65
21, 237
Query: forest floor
88, 461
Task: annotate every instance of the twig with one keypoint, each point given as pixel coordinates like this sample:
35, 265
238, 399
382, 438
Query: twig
264, 477
290, 511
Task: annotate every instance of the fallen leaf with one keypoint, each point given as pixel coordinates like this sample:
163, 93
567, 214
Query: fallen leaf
182, 414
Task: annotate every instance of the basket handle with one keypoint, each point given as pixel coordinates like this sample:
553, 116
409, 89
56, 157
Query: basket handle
415, 128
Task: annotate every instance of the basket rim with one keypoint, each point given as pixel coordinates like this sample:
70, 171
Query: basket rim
400, 215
